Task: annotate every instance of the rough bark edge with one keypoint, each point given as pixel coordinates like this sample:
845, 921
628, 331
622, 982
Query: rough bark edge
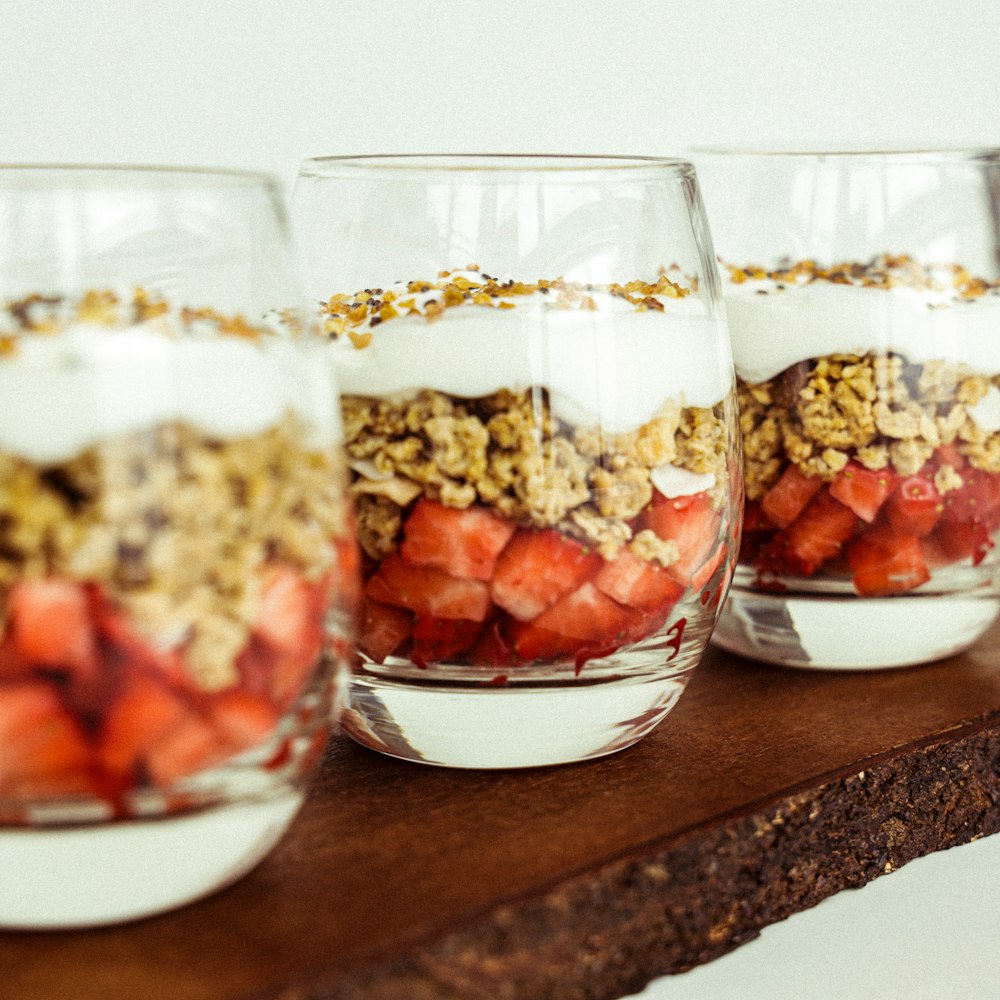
607, 933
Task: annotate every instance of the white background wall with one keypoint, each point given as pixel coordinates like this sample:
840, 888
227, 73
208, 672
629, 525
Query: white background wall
264, 83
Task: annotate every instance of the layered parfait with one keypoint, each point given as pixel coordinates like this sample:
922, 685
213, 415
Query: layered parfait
173, 549
543, 472
870, 415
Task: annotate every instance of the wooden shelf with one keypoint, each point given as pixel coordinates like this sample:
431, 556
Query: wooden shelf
763, 792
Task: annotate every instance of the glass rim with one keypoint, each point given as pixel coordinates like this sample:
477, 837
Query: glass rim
121, 173
567, 165
902, 154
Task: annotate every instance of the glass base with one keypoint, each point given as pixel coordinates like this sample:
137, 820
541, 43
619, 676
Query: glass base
830, 631
82, 876
522, 725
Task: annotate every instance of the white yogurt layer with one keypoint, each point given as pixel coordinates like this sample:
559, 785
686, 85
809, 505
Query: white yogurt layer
61, 393
773, 331
613, 367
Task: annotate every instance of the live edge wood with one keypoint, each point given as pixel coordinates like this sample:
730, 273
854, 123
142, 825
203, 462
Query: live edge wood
765, 791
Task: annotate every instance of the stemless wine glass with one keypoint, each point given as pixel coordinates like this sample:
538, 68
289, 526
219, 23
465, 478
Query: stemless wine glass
539, 417
864, 305
175, 553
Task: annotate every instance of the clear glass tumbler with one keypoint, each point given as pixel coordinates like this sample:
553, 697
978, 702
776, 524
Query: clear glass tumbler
540, 424
177, 569
863, 300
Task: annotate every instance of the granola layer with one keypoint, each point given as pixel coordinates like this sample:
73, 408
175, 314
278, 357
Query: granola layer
878, 409
508, 453
173, 526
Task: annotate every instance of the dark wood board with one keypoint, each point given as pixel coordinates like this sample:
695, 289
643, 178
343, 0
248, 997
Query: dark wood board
763, 792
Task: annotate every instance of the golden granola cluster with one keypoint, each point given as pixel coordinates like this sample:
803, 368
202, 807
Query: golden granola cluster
175, 526
884, 271
508, 452
357, 315
38, 314
878, 409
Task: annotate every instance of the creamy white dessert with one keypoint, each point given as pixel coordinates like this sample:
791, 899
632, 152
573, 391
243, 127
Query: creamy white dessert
608, 358
83, 381
778, 319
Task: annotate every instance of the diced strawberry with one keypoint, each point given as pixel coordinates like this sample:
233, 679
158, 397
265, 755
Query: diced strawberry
947, 454
637, 583
977, 500
884, 562
43, 751
529, 642
587, 615
693, 524
383, 629
441, 638
144, 712
50, 625
128, 647
342, 585
536, 569
428, 591
815, 537
287, 619
192, 745
955, 541
788, 497
245, 720
863, 490
12, 663
914, 506
464, 543
707, 569
493, 648
754, 518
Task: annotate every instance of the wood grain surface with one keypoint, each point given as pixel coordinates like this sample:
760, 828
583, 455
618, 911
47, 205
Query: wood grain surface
763, 792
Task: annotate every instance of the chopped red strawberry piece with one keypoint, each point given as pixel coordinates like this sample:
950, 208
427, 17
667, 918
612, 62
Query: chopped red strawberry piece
12, 663
863, 490
955, 541
977, 500
788, 497
707, 570
754, 518
947, 454
588, 615
529, 642
493, 648
536, 569
120, 641
43, 751
442, 638
192, 745
464, 543
383, 629
914, 506
637, 583
144, 712
428, 591
885, 562
288, 619
693, 524
50, 625
245, 720
815, 537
